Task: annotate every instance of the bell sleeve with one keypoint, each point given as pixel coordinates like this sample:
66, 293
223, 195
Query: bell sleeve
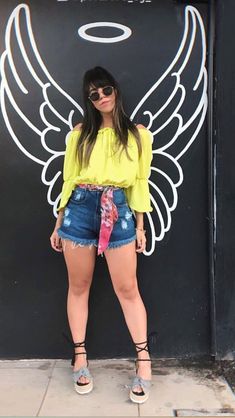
138, 195
70, 168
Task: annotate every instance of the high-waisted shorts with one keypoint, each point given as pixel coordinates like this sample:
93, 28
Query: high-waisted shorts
82, 218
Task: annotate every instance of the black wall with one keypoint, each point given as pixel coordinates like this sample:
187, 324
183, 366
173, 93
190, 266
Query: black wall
225, 178
176, 279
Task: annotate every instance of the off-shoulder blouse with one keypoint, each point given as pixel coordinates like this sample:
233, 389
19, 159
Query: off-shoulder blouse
105, 167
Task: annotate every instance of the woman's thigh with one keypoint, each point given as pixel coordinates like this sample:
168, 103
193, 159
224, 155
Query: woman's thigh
122, 265
80, 262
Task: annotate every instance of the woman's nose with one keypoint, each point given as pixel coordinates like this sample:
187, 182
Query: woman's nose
101, 93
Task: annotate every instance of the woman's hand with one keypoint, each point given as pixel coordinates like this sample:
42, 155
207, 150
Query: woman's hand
140, 240
56, 241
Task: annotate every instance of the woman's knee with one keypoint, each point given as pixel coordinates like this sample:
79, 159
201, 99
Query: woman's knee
127, 289
78, 286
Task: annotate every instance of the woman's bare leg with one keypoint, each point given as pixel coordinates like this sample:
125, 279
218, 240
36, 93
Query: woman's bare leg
80, 262
126, 288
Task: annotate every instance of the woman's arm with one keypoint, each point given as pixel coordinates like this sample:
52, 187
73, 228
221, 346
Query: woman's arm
59, 218
140, 232
139, 219
54, 238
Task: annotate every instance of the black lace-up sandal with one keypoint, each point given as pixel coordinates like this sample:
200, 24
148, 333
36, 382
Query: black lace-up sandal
140, 397
81, 388
145, 384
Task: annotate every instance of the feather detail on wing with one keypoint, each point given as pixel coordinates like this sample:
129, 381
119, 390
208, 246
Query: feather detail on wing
164, 110
24, 80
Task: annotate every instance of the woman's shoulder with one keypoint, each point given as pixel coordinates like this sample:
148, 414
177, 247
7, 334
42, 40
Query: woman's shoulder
143, 129
145, 133
77, 127
139, 126
73, 135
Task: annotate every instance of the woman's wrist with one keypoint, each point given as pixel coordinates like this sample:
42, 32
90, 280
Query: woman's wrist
140, 229
139, 220
59, 219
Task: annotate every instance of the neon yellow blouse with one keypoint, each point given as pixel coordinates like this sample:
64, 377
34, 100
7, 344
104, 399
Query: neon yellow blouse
105, 169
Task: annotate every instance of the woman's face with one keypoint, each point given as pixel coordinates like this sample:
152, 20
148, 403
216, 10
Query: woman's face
105, 104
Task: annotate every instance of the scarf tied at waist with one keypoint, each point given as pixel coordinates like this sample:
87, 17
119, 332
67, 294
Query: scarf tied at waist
109, 213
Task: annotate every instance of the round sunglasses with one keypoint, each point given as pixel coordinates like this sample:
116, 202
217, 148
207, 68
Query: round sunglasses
107, 91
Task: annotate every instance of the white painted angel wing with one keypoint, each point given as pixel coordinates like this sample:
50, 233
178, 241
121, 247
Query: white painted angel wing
24, 80
173, 134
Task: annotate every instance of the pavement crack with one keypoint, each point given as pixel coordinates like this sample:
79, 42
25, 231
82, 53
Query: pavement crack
46, 390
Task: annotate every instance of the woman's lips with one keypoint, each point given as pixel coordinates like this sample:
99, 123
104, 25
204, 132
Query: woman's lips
104, 103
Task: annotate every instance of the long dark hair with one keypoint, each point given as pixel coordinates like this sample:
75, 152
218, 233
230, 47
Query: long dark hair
99, 77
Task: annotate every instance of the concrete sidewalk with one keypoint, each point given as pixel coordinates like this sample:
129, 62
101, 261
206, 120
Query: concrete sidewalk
45, 388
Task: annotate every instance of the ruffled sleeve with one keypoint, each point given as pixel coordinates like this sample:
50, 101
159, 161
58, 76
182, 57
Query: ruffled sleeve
70, 168
138, 195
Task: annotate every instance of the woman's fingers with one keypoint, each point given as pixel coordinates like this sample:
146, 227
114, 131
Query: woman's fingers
56, 242
141, 241
59, 244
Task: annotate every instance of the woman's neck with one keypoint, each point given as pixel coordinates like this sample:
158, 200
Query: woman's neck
107, 122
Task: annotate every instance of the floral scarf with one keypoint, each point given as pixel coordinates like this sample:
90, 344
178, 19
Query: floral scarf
109, 214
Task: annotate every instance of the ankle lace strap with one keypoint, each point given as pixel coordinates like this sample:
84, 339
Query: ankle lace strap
151, 338
139, 349
79, 344
82, 344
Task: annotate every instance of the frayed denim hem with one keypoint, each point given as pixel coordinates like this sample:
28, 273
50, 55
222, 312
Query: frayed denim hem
81, 242
116, 244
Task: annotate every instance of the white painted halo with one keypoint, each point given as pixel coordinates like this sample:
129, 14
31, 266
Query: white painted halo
126, 32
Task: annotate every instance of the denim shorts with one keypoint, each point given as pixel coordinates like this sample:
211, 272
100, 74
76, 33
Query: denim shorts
82, 217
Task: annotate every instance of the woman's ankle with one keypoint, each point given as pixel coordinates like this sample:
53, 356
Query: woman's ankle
80, 357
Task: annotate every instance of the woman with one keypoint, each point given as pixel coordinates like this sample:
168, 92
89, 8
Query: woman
106, 170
